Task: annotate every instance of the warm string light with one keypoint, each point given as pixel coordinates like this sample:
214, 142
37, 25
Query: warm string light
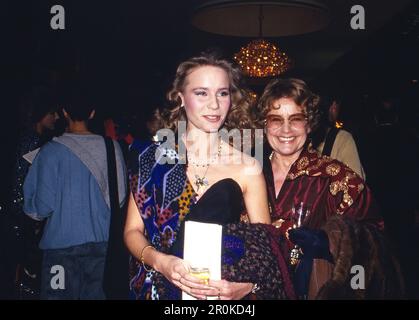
262, 59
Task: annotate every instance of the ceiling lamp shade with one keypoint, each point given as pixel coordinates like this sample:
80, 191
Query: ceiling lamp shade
261, 59
281, 18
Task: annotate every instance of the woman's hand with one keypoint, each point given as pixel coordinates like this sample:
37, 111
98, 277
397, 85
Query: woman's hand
226, 290
176, 270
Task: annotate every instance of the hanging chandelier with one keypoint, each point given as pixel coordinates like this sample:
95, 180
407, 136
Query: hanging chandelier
261, 58
259, 19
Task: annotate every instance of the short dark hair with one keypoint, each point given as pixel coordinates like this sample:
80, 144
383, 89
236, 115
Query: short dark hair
78, 103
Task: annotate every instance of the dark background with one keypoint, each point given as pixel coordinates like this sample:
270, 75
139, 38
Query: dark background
127, 52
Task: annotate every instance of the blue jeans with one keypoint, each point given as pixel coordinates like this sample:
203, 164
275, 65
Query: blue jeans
74, 273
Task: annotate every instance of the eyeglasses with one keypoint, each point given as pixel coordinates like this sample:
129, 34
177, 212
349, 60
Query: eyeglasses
296, 121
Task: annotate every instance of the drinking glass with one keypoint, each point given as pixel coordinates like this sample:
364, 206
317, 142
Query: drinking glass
201, 273
299, 214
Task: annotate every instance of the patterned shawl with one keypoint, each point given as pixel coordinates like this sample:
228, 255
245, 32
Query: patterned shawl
326, 186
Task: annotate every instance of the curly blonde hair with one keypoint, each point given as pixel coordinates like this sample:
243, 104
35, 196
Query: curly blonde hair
295, 89
239, 115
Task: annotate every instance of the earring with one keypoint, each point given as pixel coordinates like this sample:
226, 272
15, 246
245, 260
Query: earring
182, 106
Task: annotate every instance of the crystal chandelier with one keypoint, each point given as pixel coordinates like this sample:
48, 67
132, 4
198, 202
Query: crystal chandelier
261, 58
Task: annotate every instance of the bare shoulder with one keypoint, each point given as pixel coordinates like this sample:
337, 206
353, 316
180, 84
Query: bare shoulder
246, 166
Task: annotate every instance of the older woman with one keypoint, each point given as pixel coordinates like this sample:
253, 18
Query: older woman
296, 176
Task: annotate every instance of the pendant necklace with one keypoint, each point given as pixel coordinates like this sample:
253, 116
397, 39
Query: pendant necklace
202, 181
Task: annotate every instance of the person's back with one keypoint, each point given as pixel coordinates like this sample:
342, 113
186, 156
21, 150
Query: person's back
78, 190
344, 149
68, 185
334, 142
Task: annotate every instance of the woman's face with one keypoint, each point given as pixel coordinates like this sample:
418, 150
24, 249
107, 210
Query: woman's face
286, 128
206, 98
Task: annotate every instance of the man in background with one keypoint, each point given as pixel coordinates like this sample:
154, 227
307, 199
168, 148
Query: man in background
68, 184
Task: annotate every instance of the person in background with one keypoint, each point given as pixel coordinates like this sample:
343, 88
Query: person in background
40, 108
330, 139
392, 159
67, 184
118, 129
